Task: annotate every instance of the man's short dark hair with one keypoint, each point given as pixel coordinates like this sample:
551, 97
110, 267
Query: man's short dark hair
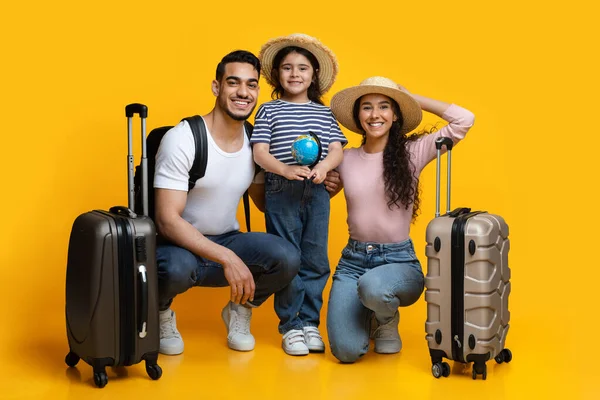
241, 56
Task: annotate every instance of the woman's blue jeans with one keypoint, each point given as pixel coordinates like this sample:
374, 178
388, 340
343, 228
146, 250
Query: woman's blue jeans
370, 278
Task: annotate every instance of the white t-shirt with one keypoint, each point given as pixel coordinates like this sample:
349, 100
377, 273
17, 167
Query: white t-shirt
212, 204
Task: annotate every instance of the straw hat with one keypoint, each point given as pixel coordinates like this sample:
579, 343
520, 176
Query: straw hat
342, 102
328, 66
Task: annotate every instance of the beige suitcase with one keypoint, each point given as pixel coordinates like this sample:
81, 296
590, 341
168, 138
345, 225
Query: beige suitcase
467, 285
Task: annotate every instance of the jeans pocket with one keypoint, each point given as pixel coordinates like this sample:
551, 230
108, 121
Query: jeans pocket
403, 256
273, 185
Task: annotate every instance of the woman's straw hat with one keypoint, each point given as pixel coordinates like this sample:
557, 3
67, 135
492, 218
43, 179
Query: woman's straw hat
342, 103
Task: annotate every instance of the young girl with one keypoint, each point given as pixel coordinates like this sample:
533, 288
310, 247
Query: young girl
379, 271
300, 69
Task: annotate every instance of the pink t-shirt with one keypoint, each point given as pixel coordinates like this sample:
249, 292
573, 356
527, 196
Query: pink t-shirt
369, 217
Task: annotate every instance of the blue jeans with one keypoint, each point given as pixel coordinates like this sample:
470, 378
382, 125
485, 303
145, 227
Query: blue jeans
272, 261
370, 278
298, 211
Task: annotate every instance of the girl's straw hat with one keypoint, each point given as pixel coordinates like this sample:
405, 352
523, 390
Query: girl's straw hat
328, 66
342, 103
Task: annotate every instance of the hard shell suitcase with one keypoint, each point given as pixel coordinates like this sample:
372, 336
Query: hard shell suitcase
467, 285
111, 282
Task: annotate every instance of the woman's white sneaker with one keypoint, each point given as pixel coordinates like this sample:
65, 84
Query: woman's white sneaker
387, 338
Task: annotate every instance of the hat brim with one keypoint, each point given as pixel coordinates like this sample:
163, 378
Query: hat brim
328, 66
342, 104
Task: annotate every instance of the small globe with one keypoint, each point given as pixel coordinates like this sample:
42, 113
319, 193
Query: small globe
305, 150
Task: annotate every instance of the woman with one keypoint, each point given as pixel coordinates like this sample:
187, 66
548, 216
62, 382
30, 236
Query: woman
379, 271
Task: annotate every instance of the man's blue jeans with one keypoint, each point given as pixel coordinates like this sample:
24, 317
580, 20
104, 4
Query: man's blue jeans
298, 211
272, 261
370, 278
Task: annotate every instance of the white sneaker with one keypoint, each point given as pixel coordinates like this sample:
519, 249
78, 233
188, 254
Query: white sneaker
293, 343
313, 339
237, 322
170, 338
387, 338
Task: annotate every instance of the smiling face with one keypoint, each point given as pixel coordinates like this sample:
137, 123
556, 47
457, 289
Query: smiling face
295, 76
376, 115
237, 92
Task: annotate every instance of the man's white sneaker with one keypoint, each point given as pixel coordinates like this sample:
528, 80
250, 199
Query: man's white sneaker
170, 338
387, 338
237, 321
293, 343
313, 339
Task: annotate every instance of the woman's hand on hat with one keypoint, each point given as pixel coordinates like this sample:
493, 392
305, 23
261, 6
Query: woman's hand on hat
402, 88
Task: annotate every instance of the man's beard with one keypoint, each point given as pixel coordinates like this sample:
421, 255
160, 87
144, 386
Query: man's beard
237, 117
224, 106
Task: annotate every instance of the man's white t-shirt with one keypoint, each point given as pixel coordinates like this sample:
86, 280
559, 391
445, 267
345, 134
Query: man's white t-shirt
212, 204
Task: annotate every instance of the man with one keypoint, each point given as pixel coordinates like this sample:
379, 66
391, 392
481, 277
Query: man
205, 246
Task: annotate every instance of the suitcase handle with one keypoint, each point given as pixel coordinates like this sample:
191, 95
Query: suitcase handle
439, 143
459, 211
130, 111
143, 314
136, 108
120, 210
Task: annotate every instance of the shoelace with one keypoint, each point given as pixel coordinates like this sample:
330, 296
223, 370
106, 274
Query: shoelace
169, 330
386, 331
241, 321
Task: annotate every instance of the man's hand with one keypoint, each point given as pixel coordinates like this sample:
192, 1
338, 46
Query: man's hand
240, 279
333, 182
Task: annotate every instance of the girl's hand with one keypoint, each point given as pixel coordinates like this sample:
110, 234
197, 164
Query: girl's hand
318, 173
296, 172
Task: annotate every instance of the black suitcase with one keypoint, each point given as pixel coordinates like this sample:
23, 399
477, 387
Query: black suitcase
111, 282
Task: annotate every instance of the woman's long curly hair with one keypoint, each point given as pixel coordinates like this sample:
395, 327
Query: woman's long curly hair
401, 182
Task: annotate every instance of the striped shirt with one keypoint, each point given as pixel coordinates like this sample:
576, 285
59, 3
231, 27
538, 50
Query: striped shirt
279, 122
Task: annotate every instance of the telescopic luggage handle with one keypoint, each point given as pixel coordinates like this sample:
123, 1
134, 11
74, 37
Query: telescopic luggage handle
130, 111
439, 143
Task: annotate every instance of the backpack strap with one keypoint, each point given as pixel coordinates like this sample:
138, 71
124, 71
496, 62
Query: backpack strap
199, 166
246, 197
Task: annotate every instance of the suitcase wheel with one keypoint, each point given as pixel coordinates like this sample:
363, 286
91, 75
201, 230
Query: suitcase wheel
71, 359
100, 379
154, 371
440, 369
480, 369
504, 356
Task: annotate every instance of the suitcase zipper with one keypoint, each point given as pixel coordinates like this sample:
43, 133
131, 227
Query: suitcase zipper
458, 283
457, 266
126, 291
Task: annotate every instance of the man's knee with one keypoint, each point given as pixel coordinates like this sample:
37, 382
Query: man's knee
286, 257
177, 269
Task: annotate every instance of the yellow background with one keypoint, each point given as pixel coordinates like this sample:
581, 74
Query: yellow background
527, 70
